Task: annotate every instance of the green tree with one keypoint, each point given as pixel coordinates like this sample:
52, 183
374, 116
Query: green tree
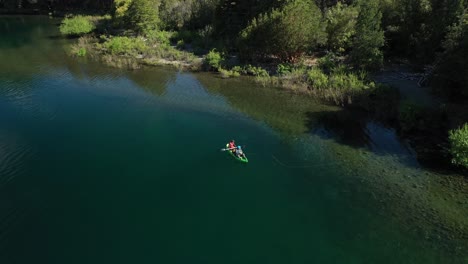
451, 75
193, 14
230, 19
341, 22
285, 33
369, 39
119, 10
459, 145
143, 15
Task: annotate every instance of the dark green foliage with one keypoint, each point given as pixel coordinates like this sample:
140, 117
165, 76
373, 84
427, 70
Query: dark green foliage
230, 18
142, 15
369, 39
410, 116
416, 28
328, 62
283, 69
451, 77
341, 22
459, 145
255, 71
102, 6
189, 14
285, 33
76, 26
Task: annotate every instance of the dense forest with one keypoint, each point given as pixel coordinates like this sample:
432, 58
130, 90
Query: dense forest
325, 47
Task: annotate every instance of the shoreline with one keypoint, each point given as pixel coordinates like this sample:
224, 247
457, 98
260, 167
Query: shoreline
432, 155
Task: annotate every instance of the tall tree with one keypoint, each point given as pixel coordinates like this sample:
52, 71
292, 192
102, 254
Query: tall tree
143, 15
369, 38
451, 76
285, 33
341, 23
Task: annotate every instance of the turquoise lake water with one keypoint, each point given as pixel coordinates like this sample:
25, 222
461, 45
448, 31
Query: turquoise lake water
103, 165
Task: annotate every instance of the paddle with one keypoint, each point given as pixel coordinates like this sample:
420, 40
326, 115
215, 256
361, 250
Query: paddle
224, 149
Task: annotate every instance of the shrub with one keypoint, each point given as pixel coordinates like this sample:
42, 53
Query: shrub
459, 145
161, 37
213, 59
237, 69
81, 52
180, 44
283, 69
228, 73
317, 79
76, 26
328, 62
125, 45
255, 71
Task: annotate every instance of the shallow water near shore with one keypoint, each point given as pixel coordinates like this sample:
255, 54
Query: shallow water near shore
104, 165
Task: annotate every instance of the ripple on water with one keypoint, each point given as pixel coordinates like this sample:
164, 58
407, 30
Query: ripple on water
13, 153
20, 95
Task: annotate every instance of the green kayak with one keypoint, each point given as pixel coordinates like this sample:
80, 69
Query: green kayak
244, 159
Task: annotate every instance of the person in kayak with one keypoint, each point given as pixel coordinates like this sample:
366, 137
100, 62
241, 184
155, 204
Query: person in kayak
240, 154
232, 146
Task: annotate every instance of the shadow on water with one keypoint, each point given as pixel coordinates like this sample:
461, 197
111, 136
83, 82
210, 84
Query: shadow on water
346, 127
356, 129
154, 83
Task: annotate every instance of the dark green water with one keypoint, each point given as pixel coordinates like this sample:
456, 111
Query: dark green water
101, 165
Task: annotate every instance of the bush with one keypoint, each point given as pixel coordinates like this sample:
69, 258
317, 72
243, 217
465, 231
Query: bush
328, 62
213, 59
237, 69
161, 37
283, 69
228, 73
317, 79
459, 145
81, 52
255, 71
340, 86
125, 46
76, 26
180, 44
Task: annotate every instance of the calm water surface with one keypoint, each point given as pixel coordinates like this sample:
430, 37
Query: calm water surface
101, 165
